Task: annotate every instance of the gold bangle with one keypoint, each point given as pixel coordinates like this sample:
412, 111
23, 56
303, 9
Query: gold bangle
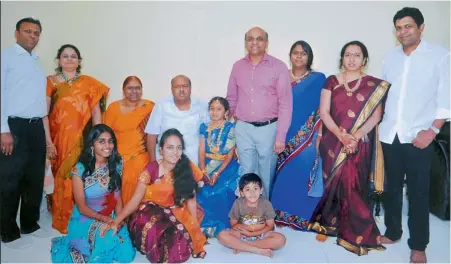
320, 135
216, 173
204, 171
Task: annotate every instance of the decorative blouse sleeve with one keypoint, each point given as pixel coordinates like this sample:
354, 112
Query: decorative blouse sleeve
330, 83
203, 130
144, 177
77, 170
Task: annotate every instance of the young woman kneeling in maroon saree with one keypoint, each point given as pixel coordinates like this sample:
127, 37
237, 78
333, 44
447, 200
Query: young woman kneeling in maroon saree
165, 224
351, 108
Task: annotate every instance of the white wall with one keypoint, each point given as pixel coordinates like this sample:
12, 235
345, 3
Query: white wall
157, 40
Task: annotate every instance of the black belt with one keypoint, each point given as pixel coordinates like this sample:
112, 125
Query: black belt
28, 120
264, 123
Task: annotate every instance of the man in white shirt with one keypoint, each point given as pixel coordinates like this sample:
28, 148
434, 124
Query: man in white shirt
180, 111
417, 106
23, 145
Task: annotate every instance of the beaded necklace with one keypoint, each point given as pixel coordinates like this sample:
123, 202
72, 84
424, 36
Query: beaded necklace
69, 81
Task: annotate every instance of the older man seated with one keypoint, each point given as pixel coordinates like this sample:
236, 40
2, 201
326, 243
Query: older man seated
181, 112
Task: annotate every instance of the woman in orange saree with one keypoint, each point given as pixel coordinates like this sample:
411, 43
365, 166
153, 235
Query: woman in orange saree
166, 226
75, 104
351, 154
128, 118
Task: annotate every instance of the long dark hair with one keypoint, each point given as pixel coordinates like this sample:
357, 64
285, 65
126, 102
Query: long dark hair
184, 184
89, 161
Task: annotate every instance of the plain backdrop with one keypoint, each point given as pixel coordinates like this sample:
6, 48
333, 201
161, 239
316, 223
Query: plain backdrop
158, 40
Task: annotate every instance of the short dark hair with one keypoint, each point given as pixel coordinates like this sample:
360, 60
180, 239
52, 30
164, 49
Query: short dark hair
28, 20
307, 48
413, 12
249, 178
362, 47
59, 69
181, 75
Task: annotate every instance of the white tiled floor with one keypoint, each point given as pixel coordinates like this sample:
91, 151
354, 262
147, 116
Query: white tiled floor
301, 247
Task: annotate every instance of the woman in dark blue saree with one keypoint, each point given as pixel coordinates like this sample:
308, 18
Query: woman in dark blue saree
298, 181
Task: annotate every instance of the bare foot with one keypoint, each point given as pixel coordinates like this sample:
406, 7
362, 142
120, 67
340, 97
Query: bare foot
266, 252
418, 257
236, 251
386, 240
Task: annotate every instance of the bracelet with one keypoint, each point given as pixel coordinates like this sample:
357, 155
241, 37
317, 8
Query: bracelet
204, 171
51, 144
320, 135
216, 173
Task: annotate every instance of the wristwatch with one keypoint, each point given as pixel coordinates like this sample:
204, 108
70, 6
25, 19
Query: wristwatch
436, 130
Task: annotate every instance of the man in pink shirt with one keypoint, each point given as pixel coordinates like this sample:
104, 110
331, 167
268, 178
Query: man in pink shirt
259, 93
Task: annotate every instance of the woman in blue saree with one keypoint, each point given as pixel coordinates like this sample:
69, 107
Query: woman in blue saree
299, 165
217, 162
96, 181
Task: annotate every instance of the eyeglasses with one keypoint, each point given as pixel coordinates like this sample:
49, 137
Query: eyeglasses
180, 86
259, 39
72, 57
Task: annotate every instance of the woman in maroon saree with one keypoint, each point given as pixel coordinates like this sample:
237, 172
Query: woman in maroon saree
351, 153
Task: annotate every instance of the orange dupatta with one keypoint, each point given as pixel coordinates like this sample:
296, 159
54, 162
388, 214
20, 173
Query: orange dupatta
131, 143
69, 118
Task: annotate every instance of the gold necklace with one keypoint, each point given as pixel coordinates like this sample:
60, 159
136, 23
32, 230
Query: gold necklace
299, 79
214, 149
350, 91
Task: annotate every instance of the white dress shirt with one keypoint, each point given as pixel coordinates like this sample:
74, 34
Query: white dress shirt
419, 94
23, 85
166, 115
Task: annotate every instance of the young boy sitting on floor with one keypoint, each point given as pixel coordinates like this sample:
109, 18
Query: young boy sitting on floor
252, 221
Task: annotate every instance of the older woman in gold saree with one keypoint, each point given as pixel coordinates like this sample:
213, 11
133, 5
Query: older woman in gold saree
350, 151
75, 103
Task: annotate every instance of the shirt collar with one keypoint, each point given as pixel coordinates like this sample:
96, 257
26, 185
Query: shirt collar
265, 58
20, 50
423, 46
